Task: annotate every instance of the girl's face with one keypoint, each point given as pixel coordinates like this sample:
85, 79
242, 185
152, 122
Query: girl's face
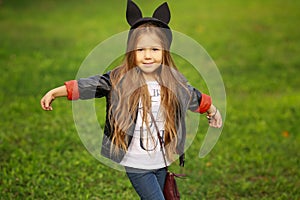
148, 55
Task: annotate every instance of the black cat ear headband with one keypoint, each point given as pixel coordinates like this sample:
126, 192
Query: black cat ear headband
161, 17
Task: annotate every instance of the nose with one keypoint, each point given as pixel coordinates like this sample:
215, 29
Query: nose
147, 54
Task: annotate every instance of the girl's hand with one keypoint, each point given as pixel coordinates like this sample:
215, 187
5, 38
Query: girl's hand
214, 117
47, 100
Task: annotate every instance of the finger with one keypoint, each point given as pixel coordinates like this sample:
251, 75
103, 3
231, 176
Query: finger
42, 102
46, 104
212, 123
220, 122
215, 123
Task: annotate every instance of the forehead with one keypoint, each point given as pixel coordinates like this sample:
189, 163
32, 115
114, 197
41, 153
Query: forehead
148, 40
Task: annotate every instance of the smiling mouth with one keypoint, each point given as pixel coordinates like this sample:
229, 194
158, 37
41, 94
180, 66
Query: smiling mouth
148, 64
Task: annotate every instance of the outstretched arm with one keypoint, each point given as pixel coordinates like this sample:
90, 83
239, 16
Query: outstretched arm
50, 96
205, 106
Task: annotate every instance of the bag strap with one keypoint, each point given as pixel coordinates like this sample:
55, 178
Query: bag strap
159, 138
162, 149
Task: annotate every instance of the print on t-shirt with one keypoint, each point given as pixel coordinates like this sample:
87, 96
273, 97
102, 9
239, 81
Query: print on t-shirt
148, 135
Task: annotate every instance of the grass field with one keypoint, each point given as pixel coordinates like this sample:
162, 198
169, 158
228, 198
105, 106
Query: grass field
256, 46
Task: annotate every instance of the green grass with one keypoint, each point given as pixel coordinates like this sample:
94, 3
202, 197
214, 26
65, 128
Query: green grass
255, 45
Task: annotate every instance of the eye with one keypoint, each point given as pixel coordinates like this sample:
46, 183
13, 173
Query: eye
139, 49
155, 49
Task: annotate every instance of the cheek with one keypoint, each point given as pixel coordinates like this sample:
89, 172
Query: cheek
137, 54
136, 57
159, 57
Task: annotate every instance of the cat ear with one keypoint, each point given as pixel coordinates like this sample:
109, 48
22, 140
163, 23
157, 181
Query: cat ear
162, 13
133, 13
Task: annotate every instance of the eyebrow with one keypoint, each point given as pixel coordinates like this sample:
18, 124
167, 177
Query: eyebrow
140, 47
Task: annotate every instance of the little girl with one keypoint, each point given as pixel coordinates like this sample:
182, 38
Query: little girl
146, 89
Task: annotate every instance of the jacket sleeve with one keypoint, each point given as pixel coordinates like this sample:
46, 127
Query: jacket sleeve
88, 88
199, 102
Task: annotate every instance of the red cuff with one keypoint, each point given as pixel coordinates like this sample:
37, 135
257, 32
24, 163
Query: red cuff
72, 89
205, 104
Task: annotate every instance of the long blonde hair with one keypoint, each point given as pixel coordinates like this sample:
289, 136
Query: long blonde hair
129, 88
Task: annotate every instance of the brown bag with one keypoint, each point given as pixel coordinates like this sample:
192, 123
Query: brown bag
171, 191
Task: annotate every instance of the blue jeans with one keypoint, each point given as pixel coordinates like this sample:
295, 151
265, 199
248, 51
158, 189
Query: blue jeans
148, 184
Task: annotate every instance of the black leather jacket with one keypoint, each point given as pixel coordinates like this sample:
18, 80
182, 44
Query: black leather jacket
100, 86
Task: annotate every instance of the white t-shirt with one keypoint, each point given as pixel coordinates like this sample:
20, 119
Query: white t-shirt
144, 151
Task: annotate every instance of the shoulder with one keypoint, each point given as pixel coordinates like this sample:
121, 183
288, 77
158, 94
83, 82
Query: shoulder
178, 76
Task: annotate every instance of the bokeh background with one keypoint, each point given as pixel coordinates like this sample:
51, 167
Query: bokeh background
256, 46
